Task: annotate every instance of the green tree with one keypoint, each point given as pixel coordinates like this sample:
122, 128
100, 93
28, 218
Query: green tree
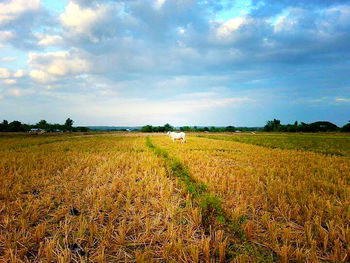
69, 124
273, 125
185, 128
42, 124
4, 125
15, 126
346, 127
230, 128
147, 128
168, 127
212, 129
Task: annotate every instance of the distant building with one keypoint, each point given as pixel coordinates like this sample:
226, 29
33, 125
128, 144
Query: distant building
237, 131
36, 131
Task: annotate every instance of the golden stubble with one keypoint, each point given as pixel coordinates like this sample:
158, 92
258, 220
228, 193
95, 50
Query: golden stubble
96, 199
296, 203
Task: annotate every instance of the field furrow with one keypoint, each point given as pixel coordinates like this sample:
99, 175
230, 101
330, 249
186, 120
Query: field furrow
213, 217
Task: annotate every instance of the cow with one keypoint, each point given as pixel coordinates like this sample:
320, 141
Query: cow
177, 136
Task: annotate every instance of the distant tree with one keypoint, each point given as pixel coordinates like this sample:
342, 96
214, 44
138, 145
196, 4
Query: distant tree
84, 129
273, 125
230, 129
4, 125
43, 125
15, 126
323, 126
147, 128
168, 127
212, 129
346, 127
290, 128
158, 129
69, 124
185, 128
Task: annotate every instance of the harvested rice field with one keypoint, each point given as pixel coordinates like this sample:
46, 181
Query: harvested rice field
133, 197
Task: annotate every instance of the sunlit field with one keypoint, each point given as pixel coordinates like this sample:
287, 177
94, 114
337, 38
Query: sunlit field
141, 198
331, 143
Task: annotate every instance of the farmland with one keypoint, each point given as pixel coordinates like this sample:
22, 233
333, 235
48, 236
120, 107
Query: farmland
332, 143
138, 197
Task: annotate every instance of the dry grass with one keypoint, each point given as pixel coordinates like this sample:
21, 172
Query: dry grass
326, 143
96, 199
110, 198
296, 203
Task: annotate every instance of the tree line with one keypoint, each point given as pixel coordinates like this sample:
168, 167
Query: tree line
17, 126
167, 127
318, 126
271, 126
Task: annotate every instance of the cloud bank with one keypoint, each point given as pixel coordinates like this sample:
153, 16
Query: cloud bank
138, 62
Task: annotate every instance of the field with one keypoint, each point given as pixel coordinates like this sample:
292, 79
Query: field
128, 197
332, 143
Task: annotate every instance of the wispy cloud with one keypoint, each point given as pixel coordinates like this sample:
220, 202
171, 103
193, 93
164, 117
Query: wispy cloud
342, 100
7, 59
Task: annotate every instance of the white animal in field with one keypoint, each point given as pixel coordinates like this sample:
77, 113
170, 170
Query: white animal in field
177, 136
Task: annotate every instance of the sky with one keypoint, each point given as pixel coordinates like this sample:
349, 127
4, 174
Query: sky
183, 62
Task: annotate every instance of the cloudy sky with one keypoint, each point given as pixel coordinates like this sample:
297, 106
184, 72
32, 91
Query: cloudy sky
186, 62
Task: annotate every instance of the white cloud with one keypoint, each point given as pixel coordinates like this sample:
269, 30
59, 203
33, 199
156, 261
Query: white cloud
9, 81
227, 28
92, 22
342, 99
11, 10
8, 59
41, 76
6, 35
50, 40
19, 73
14, 92
4, 73
181, 30
48, 66
152, 47
285, 21
341, 13
158, 4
